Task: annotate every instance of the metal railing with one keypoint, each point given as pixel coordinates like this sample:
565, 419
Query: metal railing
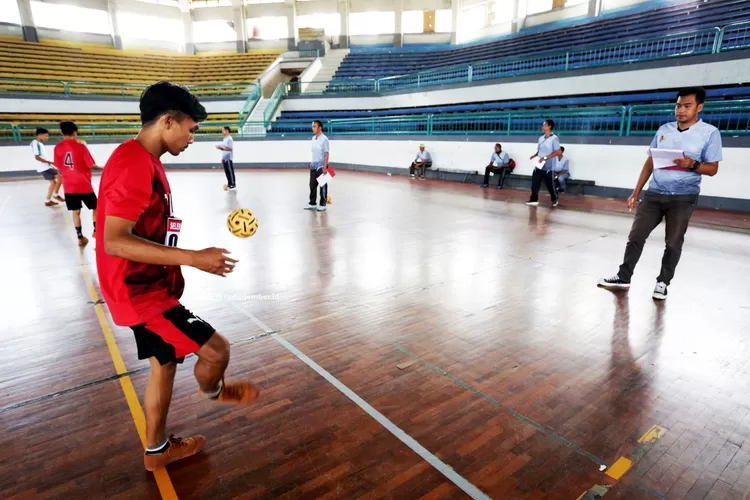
92, 131
80, 88
588, 121
730, 117
706, 41
301, 54
273, 103
249, 104
735, 36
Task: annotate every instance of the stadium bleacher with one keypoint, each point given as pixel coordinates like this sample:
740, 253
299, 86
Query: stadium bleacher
52, 63
689, 16
102, 125
297, 122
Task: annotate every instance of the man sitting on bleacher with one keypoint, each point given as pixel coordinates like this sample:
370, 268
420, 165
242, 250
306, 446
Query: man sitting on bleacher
499, 164
421, 162
562, 172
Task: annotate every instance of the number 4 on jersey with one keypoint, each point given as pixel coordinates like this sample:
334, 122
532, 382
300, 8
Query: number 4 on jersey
68, 161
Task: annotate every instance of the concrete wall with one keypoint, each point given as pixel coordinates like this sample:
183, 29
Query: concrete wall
615, 166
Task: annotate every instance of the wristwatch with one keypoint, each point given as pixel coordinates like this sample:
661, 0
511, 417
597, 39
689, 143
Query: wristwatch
545, 158
696, 165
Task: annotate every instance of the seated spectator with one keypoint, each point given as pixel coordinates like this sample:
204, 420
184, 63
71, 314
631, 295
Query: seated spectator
420, 163
500, 163
562, 172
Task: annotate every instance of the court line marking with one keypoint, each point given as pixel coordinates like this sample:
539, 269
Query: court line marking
623, 465
163, 482
99, 381
5, 204
76, 388
541, 428
466, 486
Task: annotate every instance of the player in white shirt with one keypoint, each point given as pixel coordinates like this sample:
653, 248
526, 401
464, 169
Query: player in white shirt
227, 157
47, 168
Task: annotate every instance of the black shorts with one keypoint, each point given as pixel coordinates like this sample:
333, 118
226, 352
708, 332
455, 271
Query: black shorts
73, 201
172, 335
50, 174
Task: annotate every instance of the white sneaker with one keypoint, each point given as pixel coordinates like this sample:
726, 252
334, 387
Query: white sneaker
310, 207
660, 291
411, 175
532, 203
321, 209
555, 203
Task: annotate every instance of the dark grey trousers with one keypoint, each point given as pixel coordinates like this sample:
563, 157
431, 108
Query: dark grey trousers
676, 210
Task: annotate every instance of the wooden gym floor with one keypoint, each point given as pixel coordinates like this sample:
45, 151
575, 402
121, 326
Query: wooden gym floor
419, 340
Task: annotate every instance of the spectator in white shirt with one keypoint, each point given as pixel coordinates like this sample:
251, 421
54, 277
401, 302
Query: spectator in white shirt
499, 164
420, 163
562, 171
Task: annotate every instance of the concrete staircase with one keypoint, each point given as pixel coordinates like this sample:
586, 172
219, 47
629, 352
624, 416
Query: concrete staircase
254, 124
331, 63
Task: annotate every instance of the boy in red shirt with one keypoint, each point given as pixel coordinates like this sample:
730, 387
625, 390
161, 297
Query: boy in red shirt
74, 162
139, 268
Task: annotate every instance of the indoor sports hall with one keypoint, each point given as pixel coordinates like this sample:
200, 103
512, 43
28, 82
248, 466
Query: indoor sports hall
436, 208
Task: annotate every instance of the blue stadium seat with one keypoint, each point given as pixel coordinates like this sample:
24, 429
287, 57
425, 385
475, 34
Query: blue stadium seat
688, 16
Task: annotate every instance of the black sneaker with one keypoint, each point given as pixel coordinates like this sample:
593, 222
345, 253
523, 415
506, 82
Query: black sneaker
660, 291
614, 283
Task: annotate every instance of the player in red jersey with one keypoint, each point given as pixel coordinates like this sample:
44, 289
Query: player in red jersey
74, 162
139, 268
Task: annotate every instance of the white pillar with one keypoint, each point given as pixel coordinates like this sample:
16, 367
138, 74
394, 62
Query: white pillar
240, 25
514, 25
344, 13
114, 28
398, 32
291, 16
187, 23
455, 11
595, 8
27, 21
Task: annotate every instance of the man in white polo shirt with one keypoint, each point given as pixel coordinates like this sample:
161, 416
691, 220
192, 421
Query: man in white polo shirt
547, 150
47, 168
422, 161
318, 167
673, 191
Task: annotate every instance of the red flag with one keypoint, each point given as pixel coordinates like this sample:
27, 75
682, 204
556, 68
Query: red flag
331, 171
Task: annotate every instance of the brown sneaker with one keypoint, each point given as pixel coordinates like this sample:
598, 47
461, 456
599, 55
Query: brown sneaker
178, 449
50, 203
82, 241
59, 198
239, 393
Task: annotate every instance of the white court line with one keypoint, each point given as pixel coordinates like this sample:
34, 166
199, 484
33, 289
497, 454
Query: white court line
409, 441
2, 208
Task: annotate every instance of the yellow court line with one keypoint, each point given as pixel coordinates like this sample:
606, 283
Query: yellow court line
163, 482
654, 433
619, 468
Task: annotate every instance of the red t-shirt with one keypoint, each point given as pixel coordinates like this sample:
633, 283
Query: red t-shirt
74, 162
134, 187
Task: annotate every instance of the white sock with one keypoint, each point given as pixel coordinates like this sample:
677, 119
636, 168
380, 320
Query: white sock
158, 448
214, 394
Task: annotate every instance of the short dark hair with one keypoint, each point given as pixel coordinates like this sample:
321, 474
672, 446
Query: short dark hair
68, 128
320, 123
698, 92
226, 128
550, 122
168, 98
498, 145
41, 131
562, 148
